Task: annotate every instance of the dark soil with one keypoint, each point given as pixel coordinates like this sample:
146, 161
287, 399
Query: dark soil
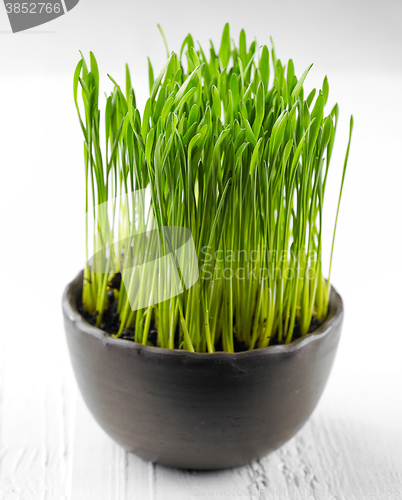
110, 321
110, 324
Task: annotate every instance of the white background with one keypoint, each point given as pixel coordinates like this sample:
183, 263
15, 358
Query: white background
49, 446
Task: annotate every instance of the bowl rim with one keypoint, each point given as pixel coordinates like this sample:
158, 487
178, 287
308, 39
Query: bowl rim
335, 316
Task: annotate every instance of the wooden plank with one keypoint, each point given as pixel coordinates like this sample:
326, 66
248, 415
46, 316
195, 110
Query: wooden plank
34, 419
139, 478
335, 459
101, 469
98, 464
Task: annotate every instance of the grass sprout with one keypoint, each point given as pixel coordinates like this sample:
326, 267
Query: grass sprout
229, 147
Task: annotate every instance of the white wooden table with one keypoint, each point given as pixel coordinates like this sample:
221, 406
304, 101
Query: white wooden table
52, 449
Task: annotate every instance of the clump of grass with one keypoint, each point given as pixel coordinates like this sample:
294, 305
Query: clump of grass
230, 148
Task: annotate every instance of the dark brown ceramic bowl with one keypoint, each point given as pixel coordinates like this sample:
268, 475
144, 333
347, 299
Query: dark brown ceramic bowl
199, 411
